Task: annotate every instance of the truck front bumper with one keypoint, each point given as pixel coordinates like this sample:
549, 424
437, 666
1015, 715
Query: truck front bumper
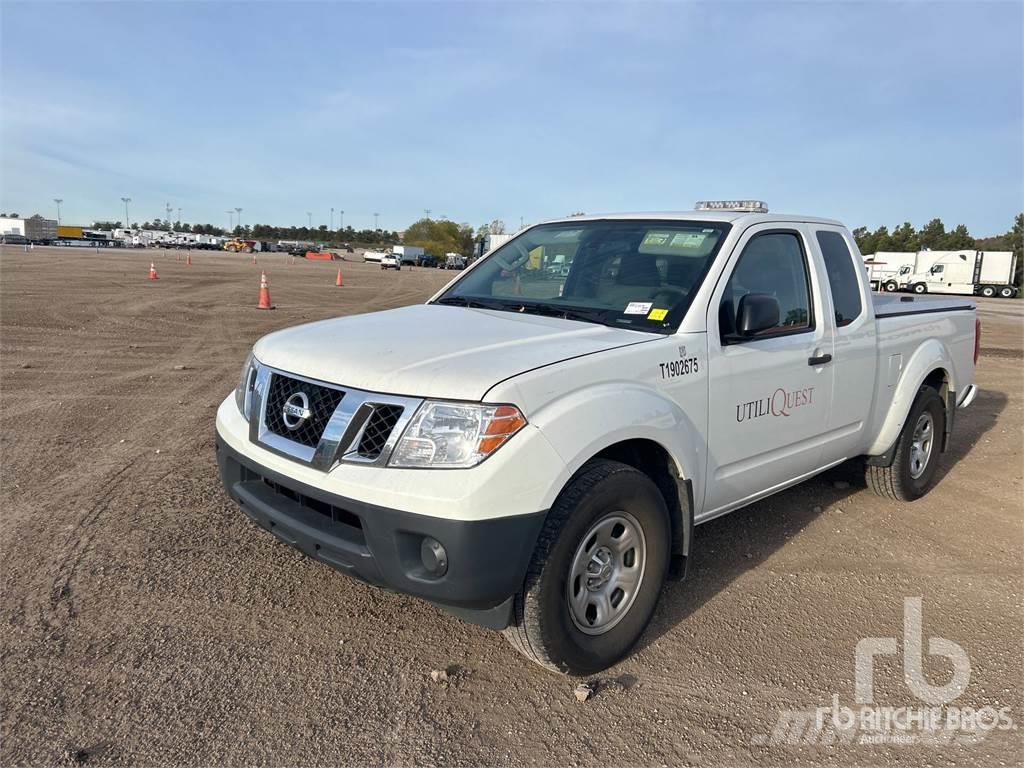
475, 576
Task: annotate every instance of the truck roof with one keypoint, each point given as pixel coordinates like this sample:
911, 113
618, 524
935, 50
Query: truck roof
733, 217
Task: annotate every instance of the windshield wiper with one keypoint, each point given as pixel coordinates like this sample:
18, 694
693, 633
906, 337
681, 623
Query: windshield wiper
582, 314
463, 301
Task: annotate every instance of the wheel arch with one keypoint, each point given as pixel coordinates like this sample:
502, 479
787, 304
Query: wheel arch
654, 460
930, 365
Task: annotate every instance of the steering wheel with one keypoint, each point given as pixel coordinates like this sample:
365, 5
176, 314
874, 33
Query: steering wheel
671, 292
513, 265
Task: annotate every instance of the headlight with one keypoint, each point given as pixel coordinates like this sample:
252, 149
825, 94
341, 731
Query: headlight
246, 381
455, 435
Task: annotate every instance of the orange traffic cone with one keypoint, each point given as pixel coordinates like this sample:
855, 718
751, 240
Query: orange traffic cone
264, 293
338, 280
152, 271
188, 259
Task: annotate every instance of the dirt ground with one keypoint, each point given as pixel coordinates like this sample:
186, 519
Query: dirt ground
145, 621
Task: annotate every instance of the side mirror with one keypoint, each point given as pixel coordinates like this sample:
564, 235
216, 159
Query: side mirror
757, 312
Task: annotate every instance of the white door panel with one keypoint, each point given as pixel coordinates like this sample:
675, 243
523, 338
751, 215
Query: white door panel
768, 405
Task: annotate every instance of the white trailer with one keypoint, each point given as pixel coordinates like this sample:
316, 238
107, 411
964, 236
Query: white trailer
969, 273
12, 226
407, 254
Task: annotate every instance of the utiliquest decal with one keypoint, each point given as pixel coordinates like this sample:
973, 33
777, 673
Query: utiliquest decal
779, 403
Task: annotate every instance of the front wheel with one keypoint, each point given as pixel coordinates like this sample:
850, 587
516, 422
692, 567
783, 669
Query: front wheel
892, 287
596, 573
920, 288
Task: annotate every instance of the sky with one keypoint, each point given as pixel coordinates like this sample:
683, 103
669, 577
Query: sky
872, 113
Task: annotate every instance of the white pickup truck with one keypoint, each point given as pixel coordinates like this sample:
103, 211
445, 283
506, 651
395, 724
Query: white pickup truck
532, 447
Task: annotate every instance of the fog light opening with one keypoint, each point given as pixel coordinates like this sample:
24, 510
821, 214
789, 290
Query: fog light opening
433, 556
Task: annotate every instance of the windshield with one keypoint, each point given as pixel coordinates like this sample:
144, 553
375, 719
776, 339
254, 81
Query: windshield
628, 273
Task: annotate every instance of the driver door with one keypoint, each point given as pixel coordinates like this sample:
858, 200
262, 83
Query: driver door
770, 393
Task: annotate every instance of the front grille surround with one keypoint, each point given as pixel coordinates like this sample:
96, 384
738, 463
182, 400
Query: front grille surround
347, 425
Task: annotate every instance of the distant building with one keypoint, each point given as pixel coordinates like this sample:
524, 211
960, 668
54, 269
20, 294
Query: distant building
11, 226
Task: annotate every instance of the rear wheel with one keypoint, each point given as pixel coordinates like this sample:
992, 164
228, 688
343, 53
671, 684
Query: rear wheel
912, 472
920, 288
988, 291
892, 286
1006, 292
596, 573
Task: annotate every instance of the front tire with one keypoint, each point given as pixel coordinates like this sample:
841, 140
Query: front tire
891, 287
596, 573
912, 472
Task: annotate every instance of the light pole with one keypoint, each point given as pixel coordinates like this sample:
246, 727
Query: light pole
426, 212
376, 216
179, 215
310, 217
332, 218
231, 220
126, 200
58, 201
341, 219
239, 222
167, 207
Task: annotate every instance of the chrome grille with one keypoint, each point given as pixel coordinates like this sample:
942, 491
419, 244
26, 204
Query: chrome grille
345, 424
322, 402
378, 429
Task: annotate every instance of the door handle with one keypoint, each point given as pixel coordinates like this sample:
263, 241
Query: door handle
819, 360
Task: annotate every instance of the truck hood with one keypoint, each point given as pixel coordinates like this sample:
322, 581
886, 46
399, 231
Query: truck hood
431, 350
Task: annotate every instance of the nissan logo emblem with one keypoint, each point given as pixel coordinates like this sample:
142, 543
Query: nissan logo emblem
296, 410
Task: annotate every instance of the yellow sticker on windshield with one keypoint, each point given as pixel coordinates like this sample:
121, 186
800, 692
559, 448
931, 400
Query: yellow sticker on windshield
657, 314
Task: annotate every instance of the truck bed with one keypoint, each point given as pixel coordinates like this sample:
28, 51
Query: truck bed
896, 305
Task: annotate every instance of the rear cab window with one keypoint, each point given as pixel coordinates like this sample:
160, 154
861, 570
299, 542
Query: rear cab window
842, 276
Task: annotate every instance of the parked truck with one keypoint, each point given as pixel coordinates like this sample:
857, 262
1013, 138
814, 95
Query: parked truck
531, 450
884, 268
407, 255
969, 273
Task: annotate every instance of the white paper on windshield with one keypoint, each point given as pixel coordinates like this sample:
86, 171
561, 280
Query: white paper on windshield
638, 308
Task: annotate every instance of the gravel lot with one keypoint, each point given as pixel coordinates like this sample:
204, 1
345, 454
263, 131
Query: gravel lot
146, 621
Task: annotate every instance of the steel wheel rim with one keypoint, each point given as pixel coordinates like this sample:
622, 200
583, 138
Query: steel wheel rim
606, 573
921, 444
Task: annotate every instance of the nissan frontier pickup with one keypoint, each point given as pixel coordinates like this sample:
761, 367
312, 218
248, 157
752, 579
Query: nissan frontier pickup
532, 447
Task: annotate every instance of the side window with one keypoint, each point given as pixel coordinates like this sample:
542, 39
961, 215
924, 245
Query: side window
842, 277
771, 264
